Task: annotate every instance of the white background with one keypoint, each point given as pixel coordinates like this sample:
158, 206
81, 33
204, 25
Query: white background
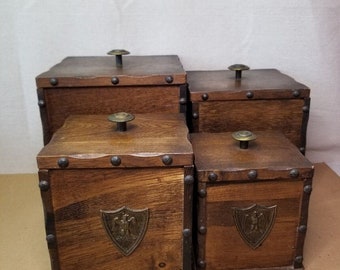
298, 37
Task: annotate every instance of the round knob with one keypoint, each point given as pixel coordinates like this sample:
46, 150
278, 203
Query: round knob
119, 56
121, 118
238, 68
244, 137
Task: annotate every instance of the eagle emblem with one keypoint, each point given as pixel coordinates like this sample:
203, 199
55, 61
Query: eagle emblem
126, 227
254, 223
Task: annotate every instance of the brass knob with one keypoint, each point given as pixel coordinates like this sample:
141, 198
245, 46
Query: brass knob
119, 56
238, 68
244, 137
121, 118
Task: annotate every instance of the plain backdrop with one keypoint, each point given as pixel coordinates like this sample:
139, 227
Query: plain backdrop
300, 38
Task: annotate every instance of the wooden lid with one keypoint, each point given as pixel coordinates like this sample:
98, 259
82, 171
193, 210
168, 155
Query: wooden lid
91, 141
270, 156
99, 71
262, 83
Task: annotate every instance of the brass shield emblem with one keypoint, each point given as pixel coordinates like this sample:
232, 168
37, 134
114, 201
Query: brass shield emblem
126, 227
254, 223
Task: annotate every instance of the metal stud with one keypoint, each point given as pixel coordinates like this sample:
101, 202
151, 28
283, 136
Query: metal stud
202, 193
53, 81
250, 94
182, 101
205, 96
212, 177
50, 238
195, 115
302, 150
302, 228
252, 174
202, 230
44, 185
189, 179
308, 189
41, 103
169, 79
294, 173
167, 160
305, 109
116, 161
186, 232
201, 264
298, 259
63, 163
296, 93
115, 80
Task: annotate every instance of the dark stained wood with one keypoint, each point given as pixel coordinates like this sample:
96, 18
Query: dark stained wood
63, 102
98, 71
273, 156
79, 195
90, 183
89, 141
225, 249
84, 86
281, 114
222, 104
221, 85
46, 196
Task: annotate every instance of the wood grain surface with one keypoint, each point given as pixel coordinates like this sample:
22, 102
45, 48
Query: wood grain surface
272, 156
89, 141
264, 83
79, 195
264, 99
83, 85
98, 71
